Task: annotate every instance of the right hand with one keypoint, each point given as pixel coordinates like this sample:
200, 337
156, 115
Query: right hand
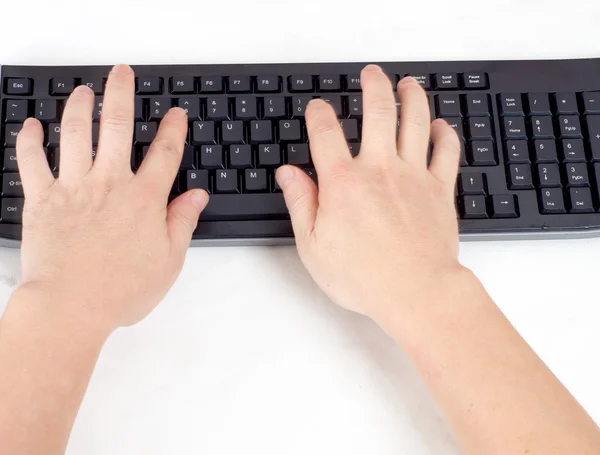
381, 231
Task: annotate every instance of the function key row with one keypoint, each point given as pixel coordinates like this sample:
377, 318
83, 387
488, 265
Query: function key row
542, 104
154, 85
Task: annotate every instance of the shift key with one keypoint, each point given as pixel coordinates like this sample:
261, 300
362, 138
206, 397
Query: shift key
11, 185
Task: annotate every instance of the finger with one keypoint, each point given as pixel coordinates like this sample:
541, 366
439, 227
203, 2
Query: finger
446, 153
76, 135
182, 218
31, 159
160, 166
328, 145
301, 198
379, 113
116, 122
415, 122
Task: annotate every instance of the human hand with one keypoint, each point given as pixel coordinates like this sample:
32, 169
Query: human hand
382, 228
100, 239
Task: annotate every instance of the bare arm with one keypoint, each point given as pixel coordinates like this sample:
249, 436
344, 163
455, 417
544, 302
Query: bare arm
100, 249
380, 237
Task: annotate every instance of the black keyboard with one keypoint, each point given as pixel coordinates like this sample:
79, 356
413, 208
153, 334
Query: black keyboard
530, 134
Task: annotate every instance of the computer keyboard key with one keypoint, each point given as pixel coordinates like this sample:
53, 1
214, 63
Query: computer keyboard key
573, 150
542, 127
46, 110
211, 84
232, 132
62, 86
211, 157
510, 104
482, 153
54, 135
239, 84
355, 106
255, 180
593, 135
539, 104
514, 128
246, 108
149, 85
330, 83
566, 103
226, 181
580, 200
577, 174
11, 131
11, 210
477, 104
261, 131
472, 207
145, 132
95, 133
269, 155
299, 104
298, 154
21, 86
545, 151
480, 128
191, 106
301, 83
354, 148
447, 105
17, 111
335, 101
203, 133
10, 160
552, 201
268, 84
159, 108
240, 156
197, 179
476, 81
520, 177
96, 84
353, 83
245, 206
504, 206
591, 102
312, 174
217, 108
98, 105
517, 152
274, 107
350, 129
462, 160
470, 183
569, 126
548, 175
11, 185
183, 85
457, 124
446, 81
188, 160
290, 131
139, 110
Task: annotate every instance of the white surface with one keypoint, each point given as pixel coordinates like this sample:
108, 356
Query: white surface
245, 355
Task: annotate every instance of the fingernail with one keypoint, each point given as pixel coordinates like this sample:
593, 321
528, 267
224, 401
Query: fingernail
284, 175
407, 80
373, 68
122, 70
199, 198
83, 90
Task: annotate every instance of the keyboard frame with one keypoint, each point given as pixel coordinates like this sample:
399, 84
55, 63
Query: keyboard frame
521, 76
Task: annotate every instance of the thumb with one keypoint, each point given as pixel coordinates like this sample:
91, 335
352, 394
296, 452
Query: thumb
182, 217
301, 198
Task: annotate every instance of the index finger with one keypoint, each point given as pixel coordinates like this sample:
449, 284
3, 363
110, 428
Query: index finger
161, 165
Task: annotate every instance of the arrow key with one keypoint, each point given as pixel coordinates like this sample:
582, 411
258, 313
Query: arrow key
471, 184
504, 206
473, 207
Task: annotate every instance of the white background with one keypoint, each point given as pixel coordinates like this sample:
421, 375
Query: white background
245, 355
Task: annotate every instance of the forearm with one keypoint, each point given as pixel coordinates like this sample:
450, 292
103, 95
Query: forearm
46, 360
495, 392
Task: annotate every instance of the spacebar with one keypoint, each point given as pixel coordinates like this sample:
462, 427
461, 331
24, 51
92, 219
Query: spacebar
229, 207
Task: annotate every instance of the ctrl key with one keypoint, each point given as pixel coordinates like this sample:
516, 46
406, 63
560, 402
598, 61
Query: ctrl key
11, 210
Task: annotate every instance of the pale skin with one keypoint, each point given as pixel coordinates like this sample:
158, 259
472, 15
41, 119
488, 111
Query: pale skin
87, 230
